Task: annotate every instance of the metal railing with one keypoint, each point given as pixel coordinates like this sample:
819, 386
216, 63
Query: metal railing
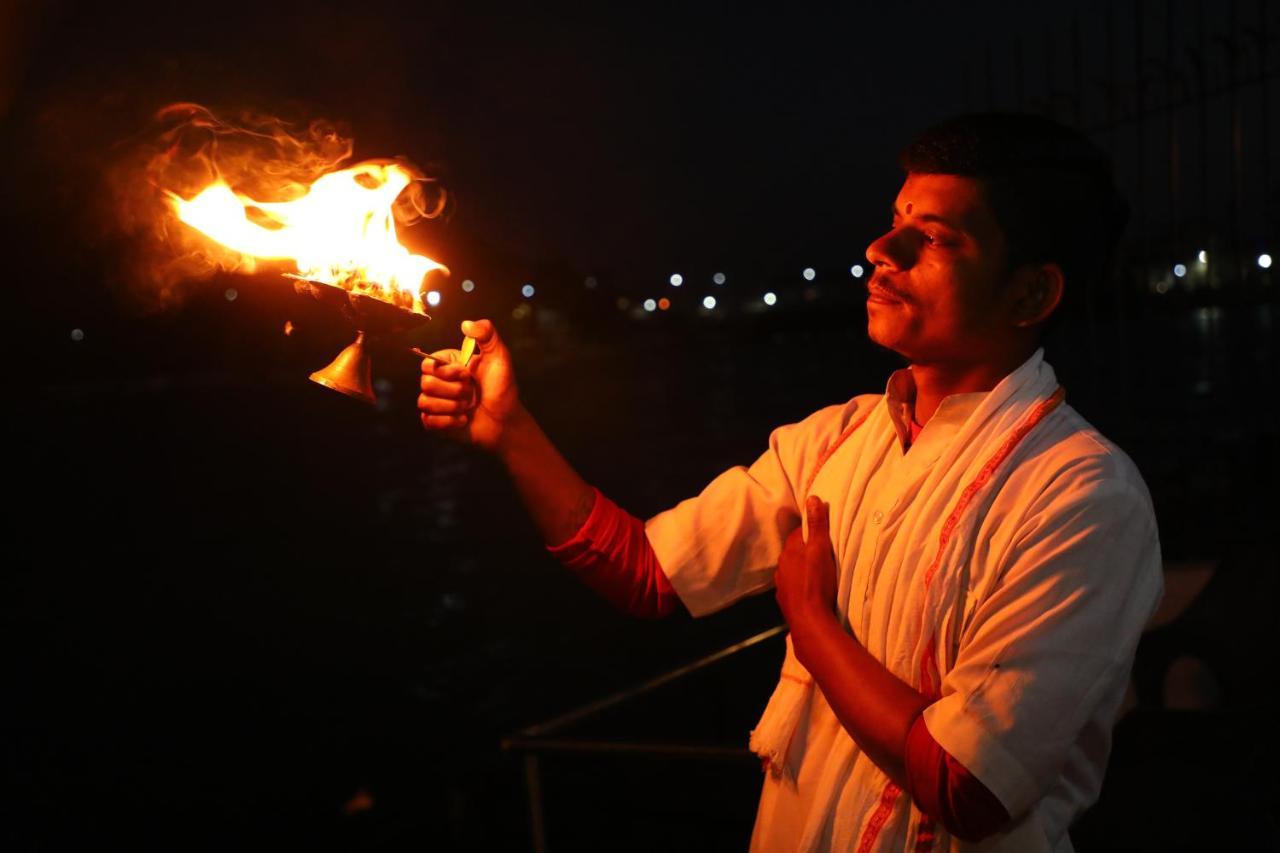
545, 738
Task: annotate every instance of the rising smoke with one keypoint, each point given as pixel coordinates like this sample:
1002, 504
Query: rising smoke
187, 147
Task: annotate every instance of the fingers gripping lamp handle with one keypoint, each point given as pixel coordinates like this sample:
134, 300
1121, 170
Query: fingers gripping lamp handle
468, 348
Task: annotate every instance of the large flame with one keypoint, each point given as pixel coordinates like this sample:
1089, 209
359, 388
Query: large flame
342, 231
197, 192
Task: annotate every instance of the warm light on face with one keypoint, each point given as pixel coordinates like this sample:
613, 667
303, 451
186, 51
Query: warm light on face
935, 289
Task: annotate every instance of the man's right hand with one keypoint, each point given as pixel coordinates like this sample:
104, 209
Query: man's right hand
472, 404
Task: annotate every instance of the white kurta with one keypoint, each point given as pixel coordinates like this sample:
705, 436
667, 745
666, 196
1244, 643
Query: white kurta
1040, 585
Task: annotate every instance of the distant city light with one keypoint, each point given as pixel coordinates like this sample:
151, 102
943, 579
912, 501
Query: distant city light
1179, 270
591, 282
77, 335
1264, 261
718, 278
527, 290
1162, 286
664, 303
856, 270
677, 280
623, 303
650, 305
770, 298
468, 285
809, 274
1202, 256
231, 294
708, 302
433, 297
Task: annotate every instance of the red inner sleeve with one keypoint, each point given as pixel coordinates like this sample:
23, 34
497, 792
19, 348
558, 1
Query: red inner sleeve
612, 555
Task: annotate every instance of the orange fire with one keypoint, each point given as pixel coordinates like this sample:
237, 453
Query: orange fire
341, 231
258, 189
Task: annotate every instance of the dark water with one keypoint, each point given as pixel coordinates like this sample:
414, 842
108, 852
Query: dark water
240, 600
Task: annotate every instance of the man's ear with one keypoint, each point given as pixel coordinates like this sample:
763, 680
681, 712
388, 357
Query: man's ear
1037, 291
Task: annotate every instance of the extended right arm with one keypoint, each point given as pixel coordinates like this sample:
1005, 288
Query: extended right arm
479, 404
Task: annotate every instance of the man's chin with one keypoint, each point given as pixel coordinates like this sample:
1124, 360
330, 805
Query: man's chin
889, 337
882, 334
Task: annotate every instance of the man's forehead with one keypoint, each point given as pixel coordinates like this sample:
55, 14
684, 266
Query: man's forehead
954, 198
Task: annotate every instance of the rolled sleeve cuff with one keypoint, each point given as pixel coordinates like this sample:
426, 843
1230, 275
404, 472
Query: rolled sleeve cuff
672, 555
702, 588
969, 742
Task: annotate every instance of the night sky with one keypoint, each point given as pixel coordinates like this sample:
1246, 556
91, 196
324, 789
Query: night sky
635, 140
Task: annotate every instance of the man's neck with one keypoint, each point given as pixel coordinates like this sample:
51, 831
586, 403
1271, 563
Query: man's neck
935, 382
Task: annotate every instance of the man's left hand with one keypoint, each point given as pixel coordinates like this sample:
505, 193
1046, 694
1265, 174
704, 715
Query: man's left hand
805, 583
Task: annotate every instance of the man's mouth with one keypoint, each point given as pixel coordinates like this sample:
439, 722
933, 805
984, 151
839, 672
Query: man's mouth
878, 292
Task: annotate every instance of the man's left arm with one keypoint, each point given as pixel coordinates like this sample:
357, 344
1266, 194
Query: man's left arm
885, 716
875, 706
1046, 647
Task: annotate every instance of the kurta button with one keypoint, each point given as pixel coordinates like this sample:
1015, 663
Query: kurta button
877, 517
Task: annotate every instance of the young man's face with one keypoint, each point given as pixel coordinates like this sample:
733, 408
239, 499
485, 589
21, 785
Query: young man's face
936, 295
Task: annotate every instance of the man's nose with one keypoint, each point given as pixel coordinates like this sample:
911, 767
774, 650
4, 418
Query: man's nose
891, 249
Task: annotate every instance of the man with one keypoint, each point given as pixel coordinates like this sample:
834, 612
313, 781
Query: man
964, 563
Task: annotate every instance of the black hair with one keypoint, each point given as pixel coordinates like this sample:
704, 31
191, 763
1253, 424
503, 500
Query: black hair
1051, 190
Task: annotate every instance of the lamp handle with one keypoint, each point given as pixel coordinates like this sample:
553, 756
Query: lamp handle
468, 347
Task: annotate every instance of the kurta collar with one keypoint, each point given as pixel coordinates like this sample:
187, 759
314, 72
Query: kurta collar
952, 412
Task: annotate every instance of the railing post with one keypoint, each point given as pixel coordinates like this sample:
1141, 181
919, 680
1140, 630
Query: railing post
533, 785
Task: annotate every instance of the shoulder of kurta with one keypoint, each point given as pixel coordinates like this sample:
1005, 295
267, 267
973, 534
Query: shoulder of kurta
724, 543
827, 424
800, 447
841, 415
1080, 488
1072, 459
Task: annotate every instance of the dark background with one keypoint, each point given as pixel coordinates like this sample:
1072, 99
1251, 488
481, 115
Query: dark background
247, 611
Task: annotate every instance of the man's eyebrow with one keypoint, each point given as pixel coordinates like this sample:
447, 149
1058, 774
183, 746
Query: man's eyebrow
926, 217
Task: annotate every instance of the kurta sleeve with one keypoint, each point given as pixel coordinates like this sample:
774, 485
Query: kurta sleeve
723, 544
1048, 652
